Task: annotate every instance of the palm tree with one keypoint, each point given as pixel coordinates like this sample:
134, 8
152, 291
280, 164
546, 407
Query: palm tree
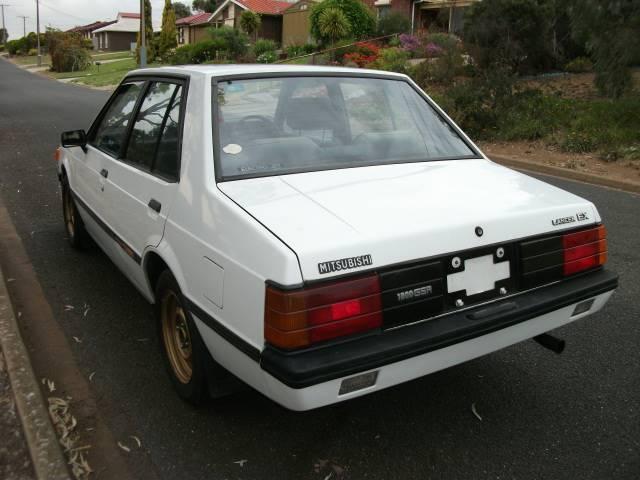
334, 25
250, 23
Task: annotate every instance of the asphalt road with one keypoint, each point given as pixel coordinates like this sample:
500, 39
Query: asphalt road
543, 416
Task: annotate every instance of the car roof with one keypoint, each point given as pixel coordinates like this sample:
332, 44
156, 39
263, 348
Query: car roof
223, 70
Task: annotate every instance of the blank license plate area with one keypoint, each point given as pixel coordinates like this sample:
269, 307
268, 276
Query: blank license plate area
479, 275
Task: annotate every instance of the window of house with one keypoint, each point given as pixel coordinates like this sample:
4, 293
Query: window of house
149, 124
111, 132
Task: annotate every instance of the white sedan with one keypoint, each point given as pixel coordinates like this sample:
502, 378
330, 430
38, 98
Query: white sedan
321, 233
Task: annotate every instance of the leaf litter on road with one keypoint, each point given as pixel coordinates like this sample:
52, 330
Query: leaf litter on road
475, 412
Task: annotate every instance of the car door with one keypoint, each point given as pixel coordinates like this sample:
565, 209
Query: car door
142, 181
105, 138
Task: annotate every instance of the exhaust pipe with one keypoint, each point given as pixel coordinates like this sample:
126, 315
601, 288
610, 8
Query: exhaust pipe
554, 344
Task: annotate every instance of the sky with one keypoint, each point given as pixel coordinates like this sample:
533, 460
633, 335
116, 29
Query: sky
65, 14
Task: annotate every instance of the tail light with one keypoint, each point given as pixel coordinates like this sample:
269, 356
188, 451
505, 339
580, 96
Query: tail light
299, 318
56, 154
584, 250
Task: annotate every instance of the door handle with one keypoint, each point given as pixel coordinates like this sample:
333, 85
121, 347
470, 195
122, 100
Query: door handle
155, 205
104, 173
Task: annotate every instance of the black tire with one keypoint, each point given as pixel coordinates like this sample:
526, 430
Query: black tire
179, 339
74, 226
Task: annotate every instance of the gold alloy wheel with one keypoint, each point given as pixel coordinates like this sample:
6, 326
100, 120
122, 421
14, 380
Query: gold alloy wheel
69, 214
176, 337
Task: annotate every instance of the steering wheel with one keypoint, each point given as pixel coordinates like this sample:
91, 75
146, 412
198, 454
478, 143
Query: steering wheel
263, 127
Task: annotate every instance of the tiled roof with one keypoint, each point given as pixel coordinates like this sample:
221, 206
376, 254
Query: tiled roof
90, 27
268, 7
194, 19
128, 15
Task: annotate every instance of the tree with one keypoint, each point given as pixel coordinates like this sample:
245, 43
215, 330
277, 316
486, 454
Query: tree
394, 22
333, 25
362, 23
205, 5
250, 23
509, 34
182, 10
148, 33
168, 40
610, 30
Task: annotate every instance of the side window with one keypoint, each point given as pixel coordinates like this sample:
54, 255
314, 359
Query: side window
110, 134
168, 153
150, 123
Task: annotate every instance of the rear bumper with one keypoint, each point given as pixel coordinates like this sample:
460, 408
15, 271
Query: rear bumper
412, 351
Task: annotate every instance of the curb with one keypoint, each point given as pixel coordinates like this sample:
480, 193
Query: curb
564, 173
42, 441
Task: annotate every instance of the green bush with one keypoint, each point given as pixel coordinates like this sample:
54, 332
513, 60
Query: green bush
392, 59
361, 19
264, 46
68, 51
394, 22
235, 42
579, 65
70, 58
267, 57
13, 46
200, 52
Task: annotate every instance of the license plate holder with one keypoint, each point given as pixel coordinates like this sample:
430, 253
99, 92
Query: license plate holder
478, 275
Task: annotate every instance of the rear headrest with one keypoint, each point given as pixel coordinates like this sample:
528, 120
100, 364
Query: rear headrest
311, 114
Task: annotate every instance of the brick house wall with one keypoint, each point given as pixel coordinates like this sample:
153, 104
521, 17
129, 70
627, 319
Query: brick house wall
402, 6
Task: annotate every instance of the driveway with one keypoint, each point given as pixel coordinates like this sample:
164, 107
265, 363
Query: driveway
576, 415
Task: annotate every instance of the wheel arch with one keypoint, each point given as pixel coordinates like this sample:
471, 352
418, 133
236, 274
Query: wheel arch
157, 260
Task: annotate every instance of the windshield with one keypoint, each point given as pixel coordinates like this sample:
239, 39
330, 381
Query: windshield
276, 126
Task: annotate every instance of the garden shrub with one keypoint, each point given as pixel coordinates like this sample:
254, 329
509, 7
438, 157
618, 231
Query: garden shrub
200, 52
235, 42
269, 56
392, 59
579, 65
364, 54
68, 51
70, 58
264, 46
410, 43
297, 50
361, 19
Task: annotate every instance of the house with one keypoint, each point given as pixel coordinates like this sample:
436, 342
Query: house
228, 13
296, 27
86, 31
193, 28
426, 15
118, 35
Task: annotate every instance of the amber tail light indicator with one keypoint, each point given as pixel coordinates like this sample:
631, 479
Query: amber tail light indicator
584, 250
300, 318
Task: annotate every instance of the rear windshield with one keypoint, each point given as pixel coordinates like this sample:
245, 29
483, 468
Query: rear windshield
277, 126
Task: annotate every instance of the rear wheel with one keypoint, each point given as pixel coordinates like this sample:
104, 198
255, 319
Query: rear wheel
183, 350
76, 233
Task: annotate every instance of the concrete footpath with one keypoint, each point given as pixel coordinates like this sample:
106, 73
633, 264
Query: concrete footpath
31, 449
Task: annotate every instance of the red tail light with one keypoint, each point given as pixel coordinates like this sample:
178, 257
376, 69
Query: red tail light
299, 318
584, 250
57, 154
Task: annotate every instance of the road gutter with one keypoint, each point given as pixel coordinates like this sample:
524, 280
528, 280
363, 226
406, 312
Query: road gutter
42, 441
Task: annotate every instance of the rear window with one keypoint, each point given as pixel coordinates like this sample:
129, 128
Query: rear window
277, 126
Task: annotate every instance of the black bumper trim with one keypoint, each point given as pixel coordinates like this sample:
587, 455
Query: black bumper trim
245, 347
311, 367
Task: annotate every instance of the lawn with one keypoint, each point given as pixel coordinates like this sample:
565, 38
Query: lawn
31, 59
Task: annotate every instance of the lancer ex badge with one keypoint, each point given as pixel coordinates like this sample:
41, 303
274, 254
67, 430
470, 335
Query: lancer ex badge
345, 264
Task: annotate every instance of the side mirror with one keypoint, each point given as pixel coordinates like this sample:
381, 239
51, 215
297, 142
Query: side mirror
74, 138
